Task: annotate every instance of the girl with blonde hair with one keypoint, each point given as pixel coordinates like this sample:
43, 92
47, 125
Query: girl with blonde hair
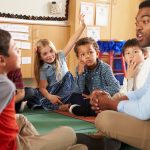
55, 82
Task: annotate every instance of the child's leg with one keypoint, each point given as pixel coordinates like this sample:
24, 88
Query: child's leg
58, 139
25, 127
84, 108
34, 100
29, 93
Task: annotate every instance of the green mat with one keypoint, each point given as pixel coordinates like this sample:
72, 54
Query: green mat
46, 121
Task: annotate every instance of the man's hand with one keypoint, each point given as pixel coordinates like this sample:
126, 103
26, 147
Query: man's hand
101, 100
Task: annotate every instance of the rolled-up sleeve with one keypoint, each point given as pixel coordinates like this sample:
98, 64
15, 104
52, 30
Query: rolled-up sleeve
112, 85
139, 108
80, 81
7, 91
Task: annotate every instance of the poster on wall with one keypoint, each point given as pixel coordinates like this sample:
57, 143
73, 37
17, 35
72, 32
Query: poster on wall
102, 14
88, 10
14, 27
94, 32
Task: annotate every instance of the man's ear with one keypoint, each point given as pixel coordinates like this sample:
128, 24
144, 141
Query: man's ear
2, 60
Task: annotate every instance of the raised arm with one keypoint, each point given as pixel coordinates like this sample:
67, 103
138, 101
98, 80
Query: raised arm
75, 36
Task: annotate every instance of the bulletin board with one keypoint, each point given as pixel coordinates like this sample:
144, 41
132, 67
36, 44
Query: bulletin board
47, 10
22, 34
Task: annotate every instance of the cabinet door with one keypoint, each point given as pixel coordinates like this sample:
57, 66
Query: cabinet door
123, 19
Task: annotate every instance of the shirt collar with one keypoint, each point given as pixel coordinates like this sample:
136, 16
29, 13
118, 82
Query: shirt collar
97, 66
46, 65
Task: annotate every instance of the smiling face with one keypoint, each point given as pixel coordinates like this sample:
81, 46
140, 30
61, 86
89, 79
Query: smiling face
133, 54
143, 26
47, 54
88, 55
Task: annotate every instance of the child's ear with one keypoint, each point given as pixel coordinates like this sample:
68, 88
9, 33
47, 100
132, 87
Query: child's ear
2, 60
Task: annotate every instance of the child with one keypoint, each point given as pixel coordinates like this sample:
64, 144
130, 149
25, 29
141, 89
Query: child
92, 72
22, 94
137, 67
21, 134
56, 83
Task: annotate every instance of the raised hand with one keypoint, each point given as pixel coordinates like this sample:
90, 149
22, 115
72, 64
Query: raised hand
82, 21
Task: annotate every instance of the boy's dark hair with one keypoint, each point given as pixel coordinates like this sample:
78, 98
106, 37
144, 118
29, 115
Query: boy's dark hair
144, 4
131, 43
5, 38
84, 41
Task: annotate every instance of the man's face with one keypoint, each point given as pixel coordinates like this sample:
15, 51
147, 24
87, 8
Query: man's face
13, 60
143, 26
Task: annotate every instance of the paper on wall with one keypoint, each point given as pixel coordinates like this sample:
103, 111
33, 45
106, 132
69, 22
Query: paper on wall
102, 12
18, 44
88, 10
15, 28
26, 60
93, 32
23, 45
20, 36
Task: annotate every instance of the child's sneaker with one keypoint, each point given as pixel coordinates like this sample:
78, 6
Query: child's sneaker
77, 110
22, 106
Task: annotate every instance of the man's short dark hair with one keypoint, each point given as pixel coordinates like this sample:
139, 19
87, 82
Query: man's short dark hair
144, 4
84, 41
131, 43
5, 38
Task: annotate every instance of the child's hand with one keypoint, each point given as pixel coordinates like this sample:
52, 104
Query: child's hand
86, 96
54, 99
64, 107
82, 21
80, 67
131, 70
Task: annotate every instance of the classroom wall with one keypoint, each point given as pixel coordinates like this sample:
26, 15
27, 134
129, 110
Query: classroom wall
121, 22
30, 7
121, 26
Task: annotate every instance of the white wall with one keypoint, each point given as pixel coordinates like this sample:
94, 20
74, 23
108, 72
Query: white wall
28, 7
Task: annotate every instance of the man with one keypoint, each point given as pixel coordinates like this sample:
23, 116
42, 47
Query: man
128, 119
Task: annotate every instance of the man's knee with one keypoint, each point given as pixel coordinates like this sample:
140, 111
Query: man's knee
105, 120
69, 134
